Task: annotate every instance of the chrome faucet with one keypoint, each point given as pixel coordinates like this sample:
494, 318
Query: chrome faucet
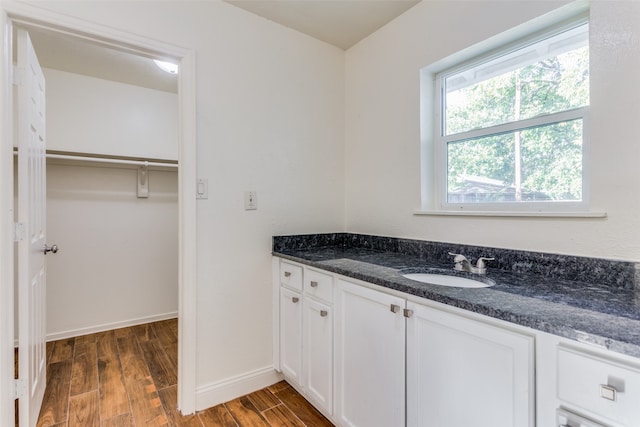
463, 264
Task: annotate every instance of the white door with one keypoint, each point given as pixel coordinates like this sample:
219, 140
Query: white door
31, 214
370, 357
463, 372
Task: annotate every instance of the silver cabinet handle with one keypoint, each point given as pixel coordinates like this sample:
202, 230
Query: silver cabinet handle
394, 308
408, 313
287, 274
53, 249
314, 284
295, 299
608, 392
324, 313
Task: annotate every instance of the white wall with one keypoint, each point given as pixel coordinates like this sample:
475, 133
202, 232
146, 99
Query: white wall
118, 258
383, 132
109, 117
270, 105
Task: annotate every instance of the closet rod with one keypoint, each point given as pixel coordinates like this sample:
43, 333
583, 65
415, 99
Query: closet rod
107, 160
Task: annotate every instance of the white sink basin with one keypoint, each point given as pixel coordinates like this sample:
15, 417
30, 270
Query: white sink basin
445, 280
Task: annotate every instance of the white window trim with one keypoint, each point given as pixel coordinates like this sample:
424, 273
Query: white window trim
433, 160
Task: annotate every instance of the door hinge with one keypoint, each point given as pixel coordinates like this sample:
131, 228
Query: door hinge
18, 75
18, 231
19, 388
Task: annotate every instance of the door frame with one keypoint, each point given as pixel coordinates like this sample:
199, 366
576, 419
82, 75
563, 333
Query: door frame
13, 12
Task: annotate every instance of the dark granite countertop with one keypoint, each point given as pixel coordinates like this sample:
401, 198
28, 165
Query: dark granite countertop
604, 314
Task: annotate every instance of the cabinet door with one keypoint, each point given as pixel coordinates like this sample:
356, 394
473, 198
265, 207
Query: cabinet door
317, 353
291, 334
462, 372
370, 357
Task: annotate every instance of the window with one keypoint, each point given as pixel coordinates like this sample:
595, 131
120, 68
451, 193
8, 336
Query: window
511, 127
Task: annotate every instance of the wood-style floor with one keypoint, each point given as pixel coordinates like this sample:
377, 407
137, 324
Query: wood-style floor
127, 378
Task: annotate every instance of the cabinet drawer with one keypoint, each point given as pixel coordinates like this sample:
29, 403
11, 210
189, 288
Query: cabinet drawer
318, 285
291, 275
604, 388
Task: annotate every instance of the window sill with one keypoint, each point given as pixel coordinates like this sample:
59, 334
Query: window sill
513, 214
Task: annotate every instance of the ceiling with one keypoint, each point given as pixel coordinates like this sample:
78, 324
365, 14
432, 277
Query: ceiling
64, 52
341, 23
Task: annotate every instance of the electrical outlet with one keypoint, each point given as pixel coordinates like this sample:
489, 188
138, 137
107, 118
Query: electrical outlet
250, 200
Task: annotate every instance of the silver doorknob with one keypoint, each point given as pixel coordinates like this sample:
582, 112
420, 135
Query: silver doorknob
52, 249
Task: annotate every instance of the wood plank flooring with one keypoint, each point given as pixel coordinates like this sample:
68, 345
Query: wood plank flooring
127, 378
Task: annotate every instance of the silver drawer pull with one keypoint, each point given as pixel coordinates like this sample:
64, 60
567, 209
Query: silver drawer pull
394, 308
295, 299
314, 284
287, 274
608, 392
408, 313
324, 313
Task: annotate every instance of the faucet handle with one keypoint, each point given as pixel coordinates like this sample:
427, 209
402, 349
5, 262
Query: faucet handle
458, 257
481, 260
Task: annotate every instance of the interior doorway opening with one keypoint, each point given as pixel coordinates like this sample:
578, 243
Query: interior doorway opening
112, 186
186, 157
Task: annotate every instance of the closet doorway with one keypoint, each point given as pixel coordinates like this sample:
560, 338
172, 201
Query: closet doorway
77, 209
112, 186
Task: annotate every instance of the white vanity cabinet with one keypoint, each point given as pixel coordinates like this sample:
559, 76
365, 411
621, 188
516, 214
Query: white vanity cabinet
290, 321
370, 357
463, 372
306, 332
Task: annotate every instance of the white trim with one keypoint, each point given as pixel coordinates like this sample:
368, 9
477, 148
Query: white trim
275, 304
513, 214
109, 326
34, 15
188, 291
223, 391
7, 409
520, 125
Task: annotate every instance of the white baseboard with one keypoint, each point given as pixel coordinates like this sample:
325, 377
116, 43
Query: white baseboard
109, 326
222, 391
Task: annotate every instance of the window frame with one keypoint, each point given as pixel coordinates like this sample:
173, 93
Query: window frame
440, 140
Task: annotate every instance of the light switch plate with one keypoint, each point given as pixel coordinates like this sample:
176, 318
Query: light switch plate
250, 200
202, 189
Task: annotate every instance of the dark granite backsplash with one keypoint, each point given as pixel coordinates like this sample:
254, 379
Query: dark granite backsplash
597, 271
